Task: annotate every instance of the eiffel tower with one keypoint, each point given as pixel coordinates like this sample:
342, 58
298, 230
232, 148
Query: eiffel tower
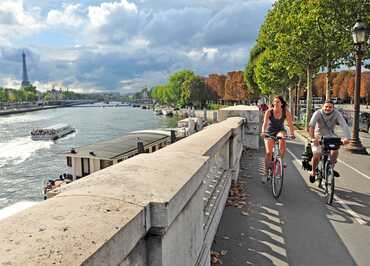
25, 81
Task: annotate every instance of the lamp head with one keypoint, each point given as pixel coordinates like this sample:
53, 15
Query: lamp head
359, 33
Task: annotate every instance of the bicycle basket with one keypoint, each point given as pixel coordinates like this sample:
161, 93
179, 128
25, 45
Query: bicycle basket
331, 143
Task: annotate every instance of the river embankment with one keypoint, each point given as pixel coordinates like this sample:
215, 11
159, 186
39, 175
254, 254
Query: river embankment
25, 163
25, 110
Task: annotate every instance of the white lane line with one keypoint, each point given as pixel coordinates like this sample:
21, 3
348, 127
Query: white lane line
339, 200
354, 169
293, 155
349, 210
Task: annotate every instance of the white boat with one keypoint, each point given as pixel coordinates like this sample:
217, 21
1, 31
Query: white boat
51, 133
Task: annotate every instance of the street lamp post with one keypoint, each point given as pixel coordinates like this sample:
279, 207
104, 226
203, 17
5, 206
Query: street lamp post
359, 38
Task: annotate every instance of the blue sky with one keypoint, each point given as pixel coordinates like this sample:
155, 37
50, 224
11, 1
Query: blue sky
124, 45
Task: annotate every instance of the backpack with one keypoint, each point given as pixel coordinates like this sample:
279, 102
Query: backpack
306, 157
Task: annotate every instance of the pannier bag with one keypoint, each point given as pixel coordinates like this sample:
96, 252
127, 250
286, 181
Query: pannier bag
331, 143
306, 157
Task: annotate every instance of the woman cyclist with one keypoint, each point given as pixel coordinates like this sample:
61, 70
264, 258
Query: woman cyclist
273, 124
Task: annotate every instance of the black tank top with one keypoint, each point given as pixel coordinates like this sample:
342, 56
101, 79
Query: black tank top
276, 125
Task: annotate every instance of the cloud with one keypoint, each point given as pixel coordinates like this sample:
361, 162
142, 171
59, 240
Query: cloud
69, 16
16, 22
238, 23
114, 22
123, 45
175, 27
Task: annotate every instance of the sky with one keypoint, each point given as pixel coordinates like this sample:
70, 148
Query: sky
123, 45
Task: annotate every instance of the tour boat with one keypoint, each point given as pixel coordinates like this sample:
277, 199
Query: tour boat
51, 133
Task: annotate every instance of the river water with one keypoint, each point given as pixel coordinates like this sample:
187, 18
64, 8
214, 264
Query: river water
25, 163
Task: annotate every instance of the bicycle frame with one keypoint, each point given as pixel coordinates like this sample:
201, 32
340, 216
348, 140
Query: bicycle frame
276, 172
325, 170
325, 156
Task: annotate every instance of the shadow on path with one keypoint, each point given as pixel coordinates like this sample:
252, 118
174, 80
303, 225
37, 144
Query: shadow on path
295, 230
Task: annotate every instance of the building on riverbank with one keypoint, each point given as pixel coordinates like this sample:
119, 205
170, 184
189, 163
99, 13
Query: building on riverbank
88, 159
91, 158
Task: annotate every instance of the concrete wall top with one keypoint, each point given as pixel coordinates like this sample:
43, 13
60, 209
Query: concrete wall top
68, 230
93, 209
207, 141
98, 220
242, 108
250, 113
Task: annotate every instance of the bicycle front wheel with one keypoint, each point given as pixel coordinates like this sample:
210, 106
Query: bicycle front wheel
277, 178
329, 183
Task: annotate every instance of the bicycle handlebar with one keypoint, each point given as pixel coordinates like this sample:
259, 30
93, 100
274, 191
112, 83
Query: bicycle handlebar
321, 142
291, 137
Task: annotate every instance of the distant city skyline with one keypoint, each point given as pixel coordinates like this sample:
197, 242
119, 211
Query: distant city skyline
123, 45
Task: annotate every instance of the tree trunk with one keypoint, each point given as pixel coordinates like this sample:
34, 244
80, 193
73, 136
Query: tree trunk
309, 97
328, 80
291, 100
298, 93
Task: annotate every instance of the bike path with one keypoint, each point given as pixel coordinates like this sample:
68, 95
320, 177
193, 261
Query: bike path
298, 229
352, 201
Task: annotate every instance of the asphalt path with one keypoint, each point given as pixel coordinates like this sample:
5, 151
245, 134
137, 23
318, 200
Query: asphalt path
299, 228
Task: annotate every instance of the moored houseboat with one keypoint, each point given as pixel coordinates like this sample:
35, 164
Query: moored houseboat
85, 160
52, 132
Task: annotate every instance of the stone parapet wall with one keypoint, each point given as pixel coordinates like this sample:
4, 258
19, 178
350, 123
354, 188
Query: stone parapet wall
253, 118
161, 208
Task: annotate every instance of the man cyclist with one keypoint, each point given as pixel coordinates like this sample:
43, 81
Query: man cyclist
322, 124
273, 124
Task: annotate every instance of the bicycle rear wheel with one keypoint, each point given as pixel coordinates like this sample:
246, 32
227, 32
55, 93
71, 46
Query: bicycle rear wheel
329, 183
277, 178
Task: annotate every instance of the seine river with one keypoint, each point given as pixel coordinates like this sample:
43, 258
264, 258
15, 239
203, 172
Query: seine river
25, 163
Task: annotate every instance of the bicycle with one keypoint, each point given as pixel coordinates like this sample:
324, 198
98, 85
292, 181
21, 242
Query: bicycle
276, 171
325, 167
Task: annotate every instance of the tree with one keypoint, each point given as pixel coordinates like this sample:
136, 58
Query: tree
270, 75
290, 31
3, 95
195, 92
249, 71
161, 93
175, 85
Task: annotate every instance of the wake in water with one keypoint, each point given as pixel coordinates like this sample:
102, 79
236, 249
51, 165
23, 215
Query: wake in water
23, 118
19, 149
69, 136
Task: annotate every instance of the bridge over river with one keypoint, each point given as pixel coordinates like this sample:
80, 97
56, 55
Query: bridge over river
168, 208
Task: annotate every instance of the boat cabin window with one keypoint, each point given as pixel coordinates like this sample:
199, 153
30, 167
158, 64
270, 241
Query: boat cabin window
69, 161
160, 145
105, 163
119, 160
153, 148
146, 150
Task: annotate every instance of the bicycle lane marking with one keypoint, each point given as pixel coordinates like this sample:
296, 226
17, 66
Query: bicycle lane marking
354, 169
351, 212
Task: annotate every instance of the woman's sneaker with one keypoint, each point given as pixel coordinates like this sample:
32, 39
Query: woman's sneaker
336, 174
